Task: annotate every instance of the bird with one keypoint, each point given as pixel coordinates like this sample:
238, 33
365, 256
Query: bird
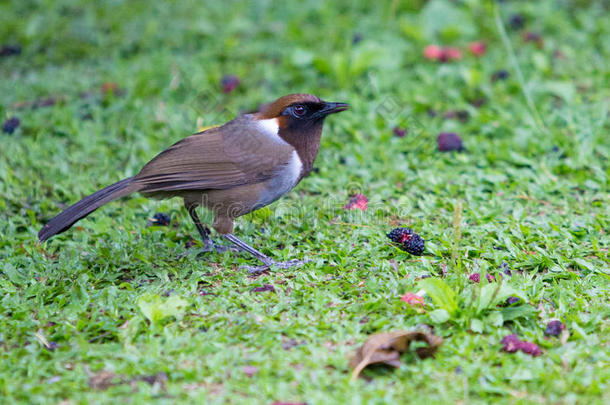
231, 170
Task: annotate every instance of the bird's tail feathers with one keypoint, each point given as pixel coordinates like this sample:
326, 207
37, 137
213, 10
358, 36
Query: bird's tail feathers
86, 206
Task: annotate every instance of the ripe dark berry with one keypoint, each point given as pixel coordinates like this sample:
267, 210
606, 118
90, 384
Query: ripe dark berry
448, 141
517, 21
554, 328
414, 245
512, 343
10, 50
160, 219
409, 241
229, 83
499, 75
398, 235
400, 132
10, 125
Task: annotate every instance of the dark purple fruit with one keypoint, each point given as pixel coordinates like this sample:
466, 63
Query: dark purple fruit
449, 141
11, 125
408, 240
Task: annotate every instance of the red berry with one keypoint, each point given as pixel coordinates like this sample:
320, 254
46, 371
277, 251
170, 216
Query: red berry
357, 202
433, 52
477, 48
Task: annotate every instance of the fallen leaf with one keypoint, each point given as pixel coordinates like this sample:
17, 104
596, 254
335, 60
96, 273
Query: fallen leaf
289, 403
156, 308
41, 102
413, 299
111, 88
289, 344
159, 379
103, 380
386, 348
250, 370
512, 343
265, 287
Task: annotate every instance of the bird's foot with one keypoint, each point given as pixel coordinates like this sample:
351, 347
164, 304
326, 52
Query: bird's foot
215, 247
209, 246
268, 264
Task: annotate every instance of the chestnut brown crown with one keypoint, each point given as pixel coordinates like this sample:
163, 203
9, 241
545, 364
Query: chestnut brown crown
298, 109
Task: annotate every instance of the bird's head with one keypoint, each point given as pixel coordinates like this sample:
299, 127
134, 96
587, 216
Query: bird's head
298, 119
296, 111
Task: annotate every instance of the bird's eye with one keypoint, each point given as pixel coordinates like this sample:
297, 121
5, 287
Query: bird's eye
299, 110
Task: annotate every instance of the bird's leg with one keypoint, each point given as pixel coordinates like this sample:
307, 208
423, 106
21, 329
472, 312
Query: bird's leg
267, 261
204, 231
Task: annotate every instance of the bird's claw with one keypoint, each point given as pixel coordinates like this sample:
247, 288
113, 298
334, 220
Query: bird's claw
268, 264
210, 246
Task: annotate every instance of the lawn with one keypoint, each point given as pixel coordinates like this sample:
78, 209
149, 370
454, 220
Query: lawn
119, 310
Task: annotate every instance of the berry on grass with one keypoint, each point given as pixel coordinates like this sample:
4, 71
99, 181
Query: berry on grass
554, 328
400, 132
499, 75
512, 344
448, 141
477, 48
160, 219
357, 202
229, 83
10, 125
408, 240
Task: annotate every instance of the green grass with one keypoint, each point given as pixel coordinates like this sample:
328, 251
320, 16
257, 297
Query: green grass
532, 184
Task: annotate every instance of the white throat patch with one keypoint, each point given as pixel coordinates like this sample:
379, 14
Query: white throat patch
271, 128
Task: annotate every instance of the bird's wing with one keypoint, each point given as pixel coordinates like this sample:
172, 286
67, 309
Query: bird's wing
238, 153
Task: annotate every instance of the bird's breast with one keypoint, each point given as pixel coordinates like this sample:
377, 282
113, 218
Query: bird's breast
284, 179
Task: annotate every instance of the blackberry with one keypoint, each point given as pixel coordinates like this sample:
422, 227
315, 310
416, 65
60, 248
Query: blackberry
499, 75
409, 241
448, 141
554, 328
517, 21
10, 125
396, 235
160, 219
10, 50
229, 83
400, 132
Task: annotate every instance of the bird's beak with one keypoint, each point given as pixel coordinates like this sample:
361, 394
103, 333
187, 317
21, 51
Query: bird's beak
332, 108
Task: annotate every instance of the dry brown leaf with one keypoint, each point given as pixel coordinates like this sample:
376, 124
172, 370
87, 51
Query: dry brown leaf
103, 379
386, 348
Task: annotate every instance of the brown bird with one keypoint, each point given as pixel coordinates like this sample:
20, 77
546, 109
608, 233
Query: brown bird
232, 170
